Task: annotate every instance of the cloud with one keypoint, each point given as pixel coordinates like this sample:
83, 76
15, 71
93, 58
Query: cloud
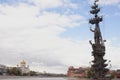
112, 53
43, 4
108, 2
117, 14
27, 32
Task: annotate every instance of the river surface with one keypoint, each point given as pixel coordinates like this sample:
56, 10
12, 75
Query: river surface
38, 78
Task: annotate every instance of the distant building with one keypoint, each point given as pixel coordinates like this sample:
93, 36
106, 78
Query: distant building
118, 73
3, 70
77, 72
23, 67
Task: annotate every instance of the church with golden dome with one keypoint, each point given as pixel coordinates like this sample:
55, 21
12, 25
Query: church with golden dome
23, 67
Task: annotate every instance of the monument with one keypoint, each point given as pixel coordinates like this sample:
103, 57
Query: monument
99, 63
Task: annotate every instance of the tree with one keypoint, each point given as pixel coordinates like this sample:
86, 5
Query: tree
33, 73
14, 71
89, 73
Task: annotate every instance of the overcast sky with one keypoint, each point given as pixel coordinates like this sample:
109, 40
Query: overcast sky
51, 35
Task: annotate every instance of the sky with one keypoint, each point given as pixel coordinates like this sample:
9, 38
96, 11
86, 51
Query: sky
51, 35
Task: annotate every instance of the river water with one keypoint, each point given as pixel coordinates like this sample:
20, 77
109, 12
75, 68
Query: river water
38, 78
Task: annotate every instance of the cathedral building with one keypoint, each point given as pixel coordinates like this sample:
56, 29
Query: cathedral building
23, 67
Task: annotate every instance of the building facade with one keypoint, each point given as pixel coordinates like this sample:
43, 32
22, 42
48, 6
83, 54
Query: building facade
23, 67
77, 72
118, 73
3, 70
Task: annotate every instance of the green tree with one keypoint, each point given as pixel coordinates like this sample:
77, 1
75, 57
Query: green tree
14, 71
112, 75
90, 73
33, 73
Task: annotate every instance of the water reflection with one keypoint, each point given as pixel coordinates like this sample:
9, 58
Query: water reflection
75, 79
38, 78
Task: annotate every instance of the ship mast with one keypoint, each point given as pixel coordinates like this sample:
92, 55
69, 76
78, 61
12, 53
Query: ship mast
99, 66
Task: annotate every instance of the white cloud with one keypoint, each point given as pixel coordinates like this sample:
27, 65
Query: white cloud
117, 14
42, 4
67, 3
30, 34
112, 53
108, 2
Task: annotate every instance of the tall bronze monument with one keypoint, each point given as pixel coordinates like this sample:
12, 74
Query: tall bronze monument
98, 66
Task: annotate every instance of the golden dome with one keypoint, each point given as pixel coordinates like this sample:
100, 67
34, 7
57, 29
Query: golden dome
22, 62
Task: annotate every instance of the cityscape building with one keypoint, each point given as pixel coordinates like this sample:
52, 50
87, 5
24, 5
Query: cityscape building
3, 69
77, 72
23, 67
